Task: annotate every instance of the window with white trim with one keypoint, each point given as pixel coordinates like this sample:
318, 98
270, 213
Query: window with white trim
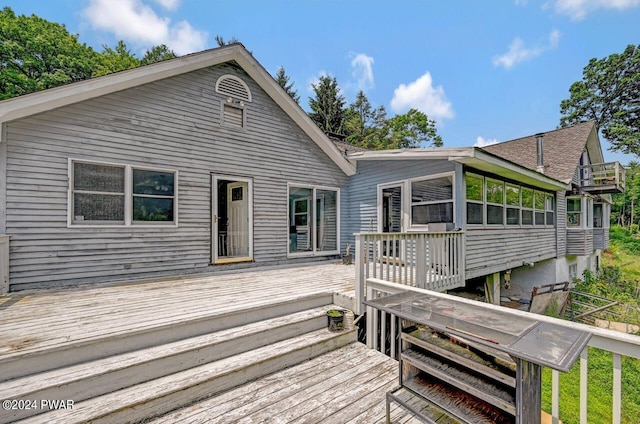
314, 214
495, 202
573, 272
475, 198
113, 194
432, 200
527, 206
574, 211
539, 207
513, 204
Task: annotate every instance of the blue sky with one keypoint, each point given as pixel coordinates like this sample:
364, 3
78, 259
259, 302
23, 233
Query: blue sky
486, 71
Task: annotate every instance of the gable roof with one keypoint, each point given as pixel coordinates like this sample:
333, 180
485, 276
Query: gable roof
31, 104
562, 149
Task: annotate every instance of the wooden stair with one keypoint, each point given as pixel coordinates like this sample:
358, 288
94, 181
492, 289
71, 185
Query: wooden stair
146, 374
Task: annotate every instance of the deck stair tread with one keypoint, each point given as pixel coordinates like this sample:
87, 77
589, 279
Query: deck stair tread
480, 361
459, 376
459, 405
103, 375
167, 393
101, 343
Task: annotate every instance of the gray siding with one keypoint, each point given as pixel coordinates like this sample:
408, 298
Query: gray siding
362, 191
580, 241
175, 124
492, 250
561, 222
600, 238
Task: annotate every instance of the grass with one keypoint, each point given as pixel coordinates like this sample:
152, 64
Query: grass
621, 263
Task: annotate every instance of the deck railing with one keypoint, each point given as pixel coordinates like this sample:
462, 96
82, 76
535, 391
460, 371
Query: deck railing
602, 176
433, 261
382, 335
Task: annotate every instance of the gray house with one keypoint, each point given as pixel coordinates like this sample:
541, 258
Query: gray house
532, 211
195, 164
203, 163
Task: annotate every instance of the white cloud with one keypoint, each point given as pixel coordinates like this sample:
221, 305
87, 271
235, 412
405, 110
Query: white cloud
137, 23
578, 9
168, 4
521, 2
518, 52
422, 95
363, 71
482, 142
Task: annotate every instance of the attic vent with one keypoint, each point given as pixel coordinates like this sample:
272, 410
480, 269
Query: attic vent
232, 86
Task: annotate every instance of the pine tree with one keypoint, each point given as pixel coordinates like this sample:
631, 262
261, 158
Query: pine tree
283, 79
327, 106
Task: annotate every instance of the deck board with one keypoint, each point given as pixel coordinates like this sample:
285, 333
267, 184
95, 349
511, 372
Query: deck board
346, 385
35, 320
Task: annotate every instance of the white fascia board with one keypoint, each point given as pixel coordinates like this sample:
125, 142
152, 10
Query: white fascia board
492, 164
412, 154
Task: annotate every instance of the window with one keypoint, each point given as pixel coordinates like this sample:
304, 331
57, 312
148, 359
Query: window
598, 215
539, 205
475, 199
313, 220
574, 212
548, 202
107, 194
573, 271
527, 206
513, 204
432, 200
495, 202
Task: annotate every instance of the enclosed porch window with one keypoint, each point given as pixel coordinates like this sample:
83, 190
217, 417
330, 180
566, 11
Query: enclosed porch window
432, 200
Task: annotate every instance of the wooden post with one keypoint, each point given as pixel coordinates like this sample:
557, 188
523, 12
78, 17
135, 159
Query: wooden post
360, 258
528, 392
492, 288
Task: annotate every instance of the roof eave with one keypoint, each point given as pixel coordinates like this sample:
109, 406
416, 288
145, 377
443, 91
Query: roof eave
411, 154
487, 162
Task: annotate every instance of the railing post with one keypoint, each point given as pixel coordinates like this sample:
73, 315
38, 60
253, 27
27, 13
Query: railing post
360, 258
4, 264
421, 261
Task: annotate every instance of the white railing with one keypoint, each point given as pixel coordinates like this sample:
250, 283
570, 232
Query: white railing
433, 261
603, 174
4, 264
617, 343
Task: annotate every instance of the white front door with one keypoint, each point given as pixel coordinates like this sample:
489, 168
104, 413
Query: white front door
238, 216
232, 219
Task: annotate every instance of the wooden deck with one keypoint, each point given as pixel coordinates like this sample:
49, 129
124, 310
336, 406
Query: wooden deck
37, 320
347, 385
48, 327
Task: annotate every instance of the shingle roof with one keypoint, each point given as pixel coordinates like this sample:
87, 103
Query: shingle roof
347, 148
562, 149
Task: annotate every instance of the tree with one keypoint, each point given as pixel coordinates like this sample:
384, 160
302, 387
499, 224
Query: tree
37, 54
283, 79
221, 42
327, 107
157, 54
364, 124
624, 210
608, 95
115, 60
410, 130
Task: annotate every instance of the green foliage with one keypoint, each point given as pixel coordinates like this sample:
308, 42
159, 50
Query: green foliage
625, 239
327, 107
411, 130
115, 60
364, 124
608, 95
283, 79
623, 210
37, 54
157, 54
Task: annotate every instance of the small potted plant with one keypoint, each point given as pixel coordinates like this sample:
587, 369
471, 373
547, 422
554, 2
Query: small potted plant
336, 319
347, 258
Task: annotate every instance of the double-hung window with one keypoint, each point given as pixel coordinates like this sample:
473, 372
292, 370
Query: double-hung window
113, 194
495, 202
513, 204
432, 200
574, 212
475, 199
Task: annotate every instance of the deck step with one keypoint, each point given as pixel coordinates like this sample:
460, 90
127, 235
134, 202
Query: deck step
26, 362
83, 381
165, 394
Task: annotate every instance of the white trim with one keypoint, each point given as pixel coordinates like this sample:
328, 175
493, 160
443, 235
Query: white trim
215, 259
31, 104
380, 188
128, 221
312, 229
409, 198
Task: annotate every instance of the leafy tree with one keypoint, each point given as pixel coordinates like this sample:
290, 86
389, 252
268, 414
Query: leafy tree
115, 60
625, 210
608, 95
364, 124
327, 107
410, 130
283, 79
37, 54
157, 54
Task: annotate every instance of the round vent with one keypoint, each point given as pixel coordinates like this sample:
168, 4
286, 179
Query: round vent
232, 86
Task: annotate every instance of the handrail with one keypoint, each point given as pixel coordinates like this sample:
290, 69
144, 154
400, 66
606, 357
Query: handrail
619, 344
433, 260
598, 174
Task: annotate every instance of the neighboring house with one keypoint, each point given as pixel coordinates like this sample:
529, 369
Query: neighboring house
194, 164
535, 223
